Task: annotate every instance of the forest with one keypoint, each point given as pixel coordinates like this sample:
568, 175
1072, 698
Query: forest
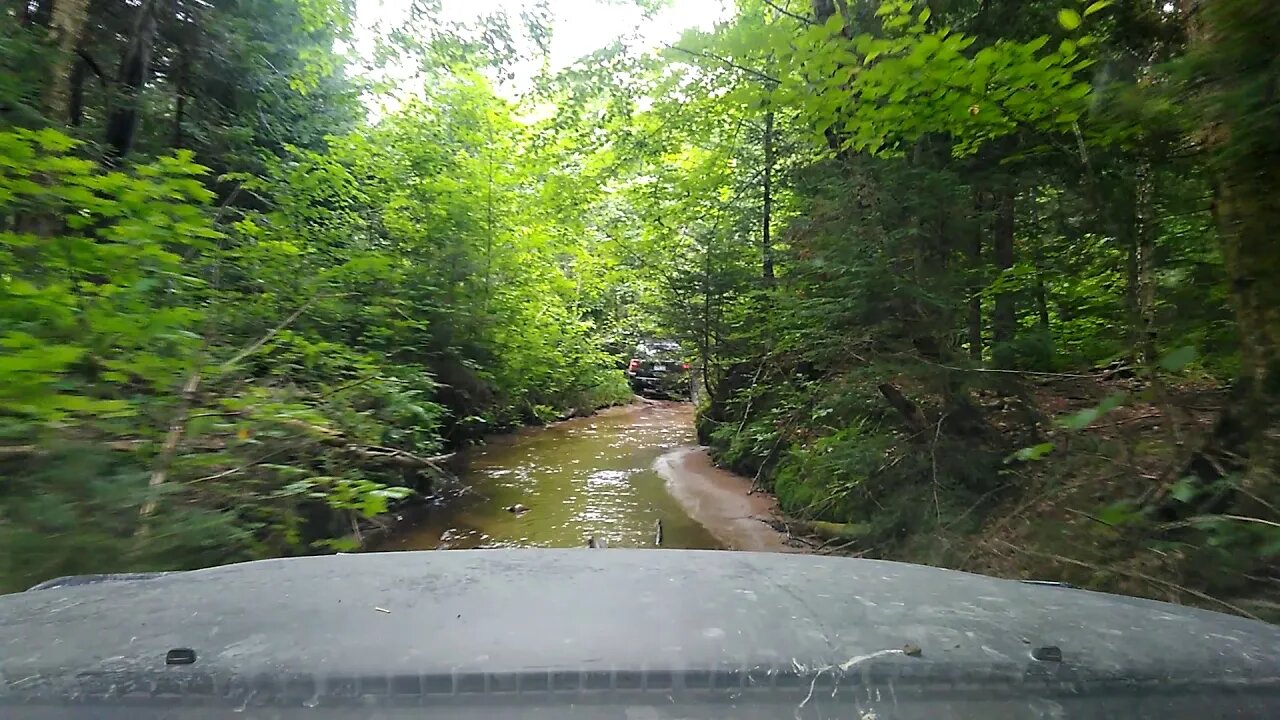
983, 284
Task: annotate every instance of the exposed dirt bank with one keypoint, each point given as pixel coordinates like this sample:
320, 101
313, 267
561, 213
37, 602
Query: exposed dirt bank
721, 502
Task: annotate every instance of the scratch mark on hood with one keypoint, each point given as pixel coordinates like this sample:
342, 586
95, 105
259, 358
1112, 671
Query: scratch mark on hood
839, 670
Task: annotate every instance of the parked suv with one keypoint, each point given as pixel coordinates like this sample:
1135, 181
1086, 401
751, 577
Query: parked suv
658, 367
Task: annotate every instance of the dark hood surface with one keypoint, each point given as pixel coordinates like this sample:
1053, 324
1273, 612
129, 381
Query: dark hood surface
414, 624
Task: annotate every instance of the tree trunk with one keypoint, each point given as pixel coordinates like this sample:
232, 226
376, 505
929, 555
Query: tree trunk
766, 242
1234, 43
1042, 300
1145, 243
179, 100
1132, 284
1040, 294
75, 105
1005, 318
135, 68
1247, 217
975, 276
66, 22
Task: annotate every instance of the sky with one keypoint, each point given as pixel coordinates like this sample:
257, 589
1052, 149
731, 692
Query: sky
580, 27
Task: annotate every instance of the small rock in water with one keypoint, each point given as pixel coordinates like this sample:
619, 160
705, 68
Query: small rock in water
517, 509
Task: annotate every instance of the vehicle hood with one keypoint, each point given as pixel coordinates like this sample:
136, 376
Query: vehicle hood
658, 618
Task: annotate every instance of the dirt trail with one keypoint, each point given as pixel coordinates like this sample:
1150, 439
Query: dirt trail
720, 501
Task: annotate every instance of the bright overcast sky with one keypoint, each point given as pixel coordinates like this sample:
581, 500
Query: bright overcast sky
581, 26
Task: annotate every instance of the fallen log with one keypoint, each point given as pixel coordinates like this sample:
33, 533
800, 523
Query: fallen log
393, 456
829, 530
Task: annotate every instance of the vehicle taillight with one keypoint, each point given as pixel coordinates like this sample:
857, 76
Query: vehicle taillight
635, 364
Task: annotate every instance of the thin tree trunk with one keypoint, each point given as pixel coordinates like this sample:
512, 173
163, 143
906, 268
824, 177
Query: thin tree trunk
705, 350
179, 101
1042, 300
488, 234
135, 68
75, 104
766, 242
975, 276
1040, 293
1132, 285
1005, 318
1145, 246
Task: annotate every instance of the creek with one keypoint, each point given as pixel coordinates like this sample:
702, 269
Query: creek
582, 478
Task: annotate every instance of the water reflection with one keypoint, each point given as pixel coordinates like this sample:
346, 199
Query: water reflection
582, 478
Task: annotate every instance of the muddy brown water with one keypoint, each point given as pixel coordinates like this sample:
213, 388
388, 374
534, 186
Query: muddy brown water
581, 478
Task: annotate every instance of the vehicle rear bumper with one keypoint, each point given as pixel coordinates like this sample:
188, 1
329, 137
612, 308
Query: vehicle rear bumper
676, 383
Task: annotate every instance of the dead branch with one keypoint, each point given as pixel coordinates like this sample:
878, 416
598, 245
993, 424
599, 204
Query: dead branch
1031, 373
257, 344
746, 412
974, 506
725, 61
1133, 574
177, 426
933, 461
788, 13
1127, 420
1201, 518
404, 458
842, 546
23, 450
909, 411
1087, 516
346, 386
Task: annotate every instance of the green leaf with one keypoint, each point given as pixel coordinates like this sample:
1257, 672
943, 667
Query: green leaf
1118, 513
1185, 490
1178, 359
1069, 19
1086, 417
1033, 453
1097, 7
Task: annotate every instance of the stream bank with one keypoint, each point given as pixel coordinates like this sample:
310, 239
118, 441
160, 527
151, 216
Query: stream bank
722, 502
